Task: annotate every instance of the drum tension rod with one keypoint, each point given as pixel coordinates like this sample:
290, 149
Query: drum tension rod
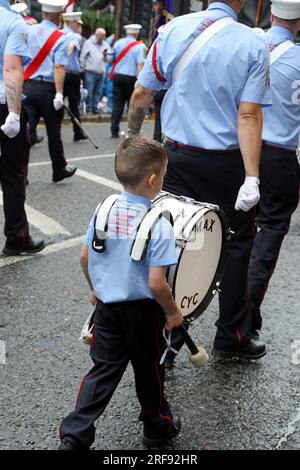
217, 290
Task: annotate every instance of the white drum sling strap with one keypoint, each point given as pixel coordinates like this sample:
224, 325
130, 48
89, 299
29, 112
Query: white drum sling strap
280, 50
143, 234
197, 44
100, 223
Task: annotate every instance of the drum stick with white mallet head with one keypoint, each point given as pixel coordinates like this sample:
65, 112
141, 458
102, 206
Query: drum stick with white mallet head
80, 126
198, 356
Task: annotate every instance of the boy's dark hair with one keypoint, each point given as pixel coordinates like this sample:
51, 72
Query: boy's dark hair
136, 157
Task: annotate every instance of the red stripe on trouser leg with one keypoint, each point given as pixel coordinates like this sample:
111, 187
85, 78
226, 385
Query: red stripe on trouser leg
238, 338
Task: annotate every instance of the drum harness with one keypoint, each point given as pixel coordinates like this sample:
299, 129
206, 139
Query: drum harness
138, 251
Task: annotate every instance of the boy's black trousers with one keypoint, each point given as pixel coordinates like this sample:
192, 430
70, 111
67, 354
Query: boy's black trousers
125, 331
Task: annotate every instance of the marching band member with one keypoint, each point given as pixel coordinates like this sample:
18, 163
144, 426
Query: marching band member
44, 82
14, 53
73, 30
21, 7
129, 58
279, 168
212, 122
133, 303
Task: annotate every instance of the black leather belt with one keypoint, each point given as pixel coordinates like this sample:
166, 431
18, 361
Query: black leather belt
175, 145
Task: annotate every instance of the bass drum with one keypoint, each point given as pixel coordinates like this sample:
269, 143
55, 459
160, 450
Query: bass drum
202, 236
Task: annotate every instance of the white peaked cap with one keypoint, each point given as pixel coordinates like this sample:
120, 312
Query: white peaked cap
132, 28
19, 7
73, 16
53, 6
286, 9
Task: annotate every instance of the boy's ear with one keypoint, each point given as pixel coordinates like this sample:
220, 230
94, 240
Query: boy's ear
152, 179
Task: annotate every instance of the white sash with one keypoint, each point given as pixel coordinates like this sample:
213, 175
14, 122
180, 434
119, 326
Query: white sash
280, 50
198, 43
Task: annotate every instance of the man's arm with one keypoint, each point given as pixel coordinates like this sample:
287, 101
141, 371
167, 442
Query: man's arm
13, 82
83, 56
139, 103
59, 78
250, 136
250, 140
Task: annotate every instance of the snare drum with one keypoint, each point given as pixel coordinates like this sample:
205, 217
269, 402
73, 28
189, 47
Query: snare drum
202, 236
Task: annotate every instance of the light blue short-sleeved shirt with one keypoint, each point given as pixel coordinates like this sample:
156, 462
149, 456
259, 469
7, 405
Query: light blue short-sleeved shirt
282, 121
13, 39
201, 108
114, 275
129, 64
73, 65
37, 36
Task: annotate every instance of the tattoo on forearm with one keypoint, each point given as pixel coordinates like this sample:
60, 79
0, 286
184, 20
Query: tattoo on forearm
11, 96
135, 120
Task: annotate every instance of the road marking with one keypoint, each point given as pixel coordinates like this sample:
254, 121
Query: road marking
45, 224
100, 180
54, 248
291, 429
77, 159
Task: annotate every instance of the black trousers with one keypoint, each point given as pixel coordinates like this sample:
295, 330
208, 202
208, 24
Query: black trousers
72, 91
122, 91
12, 179
279, 189
216, 177
39, 102
158, 100
126, 331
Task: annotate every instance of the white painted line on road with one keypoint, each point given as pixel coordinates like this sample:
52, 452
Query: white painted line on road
77, 159
100, 180
56, 247
45, 224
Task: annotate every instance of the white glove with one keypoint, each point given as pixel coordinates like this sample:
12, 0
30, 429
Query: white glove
58, 101
248, 195
11, 127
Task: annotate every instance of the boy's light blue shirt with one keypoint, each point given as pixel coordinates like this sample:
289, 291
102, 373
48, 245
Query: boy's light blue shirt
73, 65
38, 35
114, 275
13, 39
282, 121
129, 63
201, 108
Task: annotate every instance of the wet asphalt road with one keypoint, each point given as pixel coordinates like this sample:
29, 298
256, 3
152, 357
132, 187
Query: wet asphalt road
43, 304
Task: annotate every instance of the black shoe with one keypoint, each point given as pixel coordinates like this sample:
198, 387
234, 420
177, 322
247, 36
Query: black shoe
31, 246
115, 136
66, 172
68, 444
77, 138
157, 441
36, 140
251, 350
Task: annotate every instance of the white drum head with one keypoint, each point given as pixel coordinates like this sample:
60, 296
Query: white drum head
201, 232
197, 264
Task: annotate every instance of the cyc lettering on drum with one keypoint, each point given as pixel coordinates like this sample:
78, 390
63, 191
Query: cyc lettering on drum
186, 301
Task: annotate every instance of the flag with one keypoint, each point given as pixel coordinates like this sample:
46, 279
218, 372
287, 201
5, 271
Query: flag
162, 12
69, 7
